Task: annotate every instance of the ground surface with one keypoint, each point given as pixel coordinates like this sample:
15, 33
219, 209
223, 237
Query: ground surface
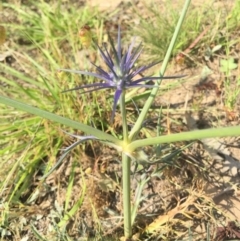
198, 189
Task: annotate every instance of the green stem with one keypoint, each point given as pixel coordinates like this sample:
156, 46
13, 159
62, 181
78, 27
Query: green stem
126, 169
126, 164
124, 117
135, 130
59, 119
185, 136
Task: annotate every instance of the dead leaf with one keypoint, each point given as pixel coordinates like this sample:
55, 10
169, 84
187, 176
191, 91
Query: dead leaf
2, 35
4, 55
163, 219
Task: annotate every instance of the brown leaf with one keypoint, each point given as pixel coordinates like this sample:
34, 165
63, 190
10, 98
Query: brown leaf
2, 35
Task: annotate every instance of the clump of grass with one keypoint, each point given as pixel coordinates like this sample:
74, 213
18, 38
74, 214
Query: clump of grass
156, 29
38, 40
217, 42
229, 66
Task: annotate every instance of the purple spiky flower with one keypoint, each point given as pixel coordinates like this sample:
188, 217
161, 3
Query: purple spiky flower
121, 73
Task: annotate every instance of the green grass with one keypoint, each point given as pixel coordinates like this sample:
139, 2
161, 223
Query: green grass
34, 79
156, 29
229, 63
44, 38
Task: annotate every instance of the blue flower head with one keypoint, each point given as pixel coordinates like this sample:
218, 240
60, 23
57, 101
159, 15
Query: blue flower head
121, 71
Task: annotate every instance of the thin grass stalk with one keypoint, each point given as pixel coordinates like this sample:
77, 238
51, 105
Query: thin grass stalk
135, 130
138, 193
126, 169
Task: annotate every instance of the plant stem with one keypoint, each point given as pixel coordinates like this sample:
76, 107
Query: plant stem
126, 169
126, 164
185, 136
124, 117
59, 119
135, 130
